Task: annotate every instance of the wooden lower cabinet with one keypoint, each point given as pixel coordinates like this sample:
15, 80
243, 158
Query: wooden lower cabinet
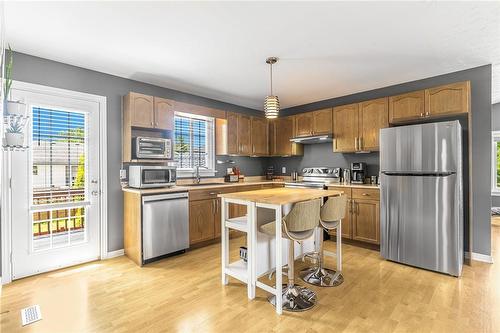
205, 211
362, 216
366, 220
201, 220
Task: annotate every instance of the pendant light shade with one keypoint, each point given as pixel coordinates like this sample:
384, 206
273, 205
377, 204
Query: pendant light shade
271, 102
271, 107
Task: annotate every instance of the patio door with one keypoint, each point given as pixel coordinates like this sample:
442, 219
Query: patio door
55, 185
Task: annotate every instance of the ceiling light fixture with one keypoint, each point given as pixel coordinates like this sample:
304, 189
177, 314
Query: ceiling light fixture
271, 103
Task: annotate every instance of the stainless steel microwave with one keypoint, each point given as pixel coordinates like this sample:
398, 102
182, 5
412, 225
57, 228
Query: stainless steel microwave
151, 148
144, 176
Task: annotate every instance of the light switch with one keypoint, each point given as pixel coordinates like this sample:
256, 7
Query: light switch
283, 170
123, 174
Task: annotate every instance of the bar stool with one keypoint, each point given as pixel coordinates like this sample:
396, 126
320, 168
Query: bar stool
332, 212
298, 225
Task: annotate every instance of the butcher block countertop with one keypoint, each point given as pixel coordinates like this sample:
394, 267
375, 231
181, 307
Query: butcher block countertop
375, 187
280, 196
181, 188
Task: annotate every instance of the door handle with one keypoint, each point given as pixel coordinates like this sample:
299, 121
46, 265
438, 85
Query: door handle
94, 181
95, 193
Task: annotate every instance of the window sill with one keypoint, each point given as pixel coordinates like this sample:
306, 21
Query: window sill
495, 193
192, 173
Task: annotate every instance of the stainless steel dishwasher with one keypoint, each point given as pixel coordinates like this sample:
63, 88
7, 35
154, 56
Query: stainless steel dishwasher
165, 225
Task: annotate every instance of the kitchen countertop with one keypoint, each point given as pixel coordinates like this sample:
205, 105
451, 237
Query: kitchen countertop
183, 188
280, 196
355, 186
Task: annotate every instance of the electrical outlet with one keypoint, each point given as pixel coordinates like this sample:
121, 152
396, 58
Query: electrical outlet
283, 170
123, 174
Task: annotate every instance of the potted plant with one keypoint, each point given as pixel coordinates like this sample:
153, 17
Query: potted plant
15, 135
17, 108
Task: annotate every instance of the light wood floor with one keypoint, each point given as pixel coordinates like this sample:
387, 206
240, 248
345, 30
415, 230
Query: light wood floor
184, 294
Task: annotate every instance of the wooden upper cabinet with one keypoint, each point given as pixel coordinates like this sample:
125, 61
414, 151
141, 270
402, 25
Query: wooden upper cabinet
283, 132
232, 133
239, 136
345, 128
322, 121
373, 115
244, 134
406, 106
448, 99
272, 136
260, 142
141, 110
164, 113
304, 124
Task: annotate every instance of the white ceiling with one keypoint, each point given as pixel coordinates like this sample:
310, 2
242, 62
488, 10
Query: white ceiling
217, 49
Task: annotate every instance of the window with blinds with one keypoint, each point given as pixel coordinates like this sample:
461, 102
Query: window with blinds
58, 161
194, 141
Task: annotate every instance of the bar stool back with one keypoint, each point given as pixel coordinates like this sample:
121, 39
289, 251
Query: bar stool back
298, 225
332, 213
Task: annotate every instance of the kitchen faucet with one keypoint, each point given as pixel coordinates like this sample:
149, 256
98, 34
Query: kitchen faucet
197, 173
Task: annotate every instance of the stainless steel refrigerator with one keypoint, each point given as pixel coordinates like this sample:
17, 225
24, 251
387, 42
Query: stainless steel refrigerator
421, 215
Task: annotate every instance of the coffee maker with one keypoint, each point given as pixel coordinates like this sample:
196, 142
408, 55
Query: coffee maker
358, 172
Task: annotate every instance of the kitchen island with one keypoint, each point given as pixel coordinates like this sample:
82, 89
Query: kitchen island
271, 199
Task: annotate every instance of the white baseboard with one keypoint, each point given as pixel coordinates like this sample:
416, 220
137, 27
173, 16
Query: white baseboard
479, 257
114, 254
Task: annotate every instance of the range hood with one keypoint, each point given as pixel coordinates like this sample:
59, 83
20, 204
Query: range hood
313, 139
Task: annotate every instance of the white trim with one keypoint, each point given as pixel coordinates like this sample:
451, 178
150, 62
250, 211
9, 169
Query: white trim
114, 254
479, 257
211, 171
5, 222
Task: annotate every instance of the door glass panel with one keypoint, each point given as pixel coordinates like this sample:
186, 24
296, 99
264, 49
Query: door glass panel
59, 175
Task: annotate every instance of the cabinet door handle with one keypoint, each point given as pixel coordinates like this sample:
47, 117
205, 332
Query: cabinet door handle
360, 143
355, 143
365, 194
427, 114
421, 114
349, 203
152, 124
217, 206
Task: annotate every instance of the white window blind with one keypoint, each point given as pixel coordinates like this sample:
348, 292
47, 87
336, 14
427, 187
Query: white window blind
58, 161
194, 142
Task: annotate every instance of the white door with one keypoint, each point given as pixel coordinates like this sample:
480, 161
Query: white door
55, 185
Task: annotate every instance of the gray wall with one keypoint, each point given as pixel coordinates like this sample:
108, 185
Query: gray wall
317, 155
55, 74
480, 78
41, 71
495, 126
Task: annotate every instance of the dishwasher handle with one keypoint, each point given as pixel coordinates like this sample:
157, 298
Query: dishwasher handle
160, 197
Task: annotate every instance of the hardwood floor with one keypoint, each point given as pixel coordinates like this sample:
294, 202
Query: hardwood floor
184, 294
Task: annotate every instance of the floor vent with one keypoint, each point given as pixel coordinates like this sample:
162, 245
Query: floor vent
31, 314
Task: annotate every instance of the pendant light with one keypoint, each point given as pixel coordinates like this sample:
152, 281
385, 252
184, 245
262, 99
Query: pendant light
271, 103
